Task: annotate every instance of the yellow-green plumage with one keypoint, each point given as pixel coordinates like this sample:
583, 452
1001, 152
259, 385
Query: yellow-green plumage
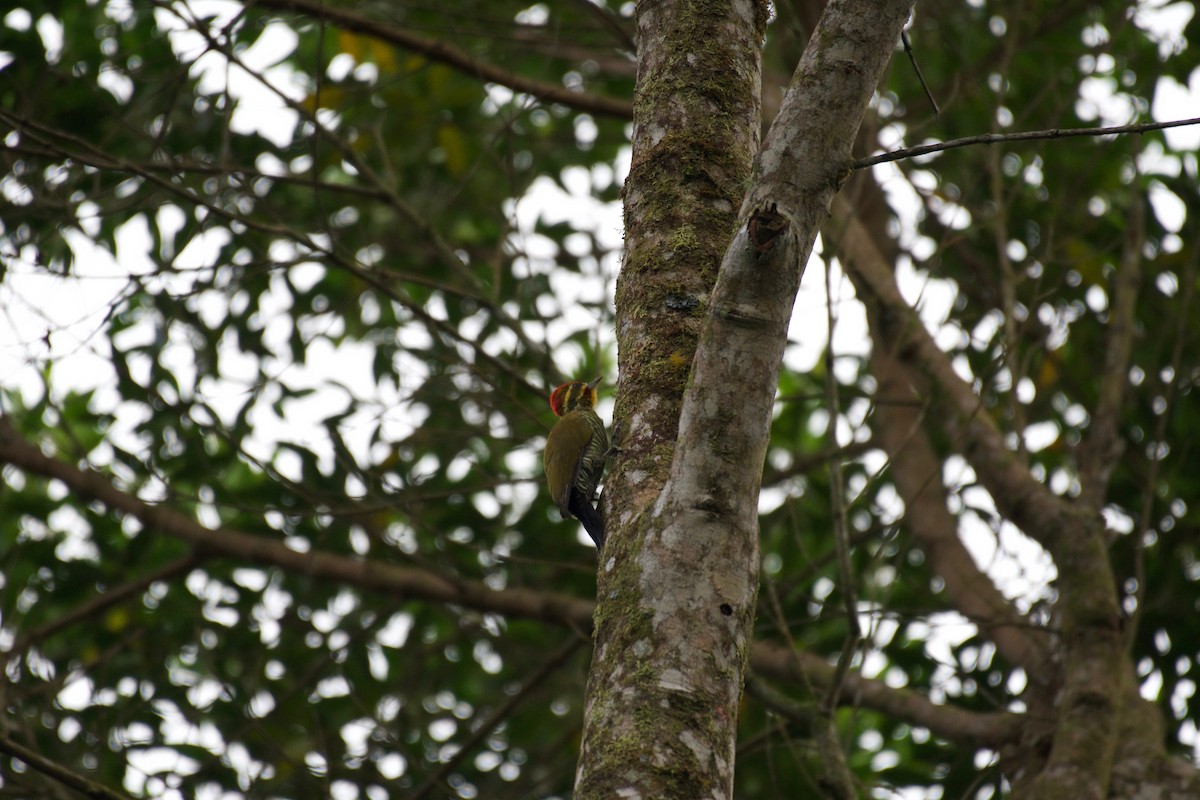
576, 450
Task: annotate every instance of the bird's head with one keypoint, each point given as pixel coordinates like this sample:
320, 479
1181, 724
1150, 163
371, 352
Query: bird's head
571, 396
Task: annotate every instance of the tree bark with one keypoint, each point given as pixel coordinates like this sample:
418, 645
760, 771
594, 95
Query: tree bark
652, 725
678, 586
1084, 678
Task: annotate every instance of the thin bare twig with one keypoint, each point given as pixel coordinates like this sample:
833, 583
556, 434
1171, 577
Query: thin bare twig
803, 715
611, 20
56, 771
912, 59
902, 430
103, 601
376, 278
556, 660
1020, 136
448, 54
838, 772
1101, 449
449, 255
1188, 282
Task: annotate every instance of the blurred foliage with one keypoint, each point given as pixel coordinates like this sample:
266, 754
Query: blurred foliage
339, 307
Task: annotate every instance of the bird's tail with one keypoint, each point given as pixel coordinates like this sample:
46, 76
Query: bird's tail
590, 517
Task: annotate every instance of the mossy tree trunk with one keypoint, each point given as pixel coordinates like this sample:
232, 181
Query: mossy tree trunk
678, 580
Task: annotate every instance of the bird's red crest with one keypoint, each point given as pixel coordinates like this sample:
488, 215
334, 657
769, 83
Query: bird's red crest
558, 398
569, 395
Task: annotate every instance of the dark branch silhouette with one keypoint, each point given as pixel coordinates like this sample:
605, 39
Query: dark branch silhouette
1020, 136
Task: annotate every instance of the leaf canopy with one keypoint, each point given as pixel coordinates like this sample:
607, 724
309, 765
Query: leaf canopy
306, 272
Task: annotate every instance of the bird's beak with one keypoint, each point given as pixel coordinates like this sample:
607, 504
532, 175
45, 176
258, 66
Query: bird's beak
594, 383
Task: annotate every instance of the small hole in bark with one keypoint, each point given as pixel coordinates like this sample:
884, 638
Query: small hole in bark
726, 609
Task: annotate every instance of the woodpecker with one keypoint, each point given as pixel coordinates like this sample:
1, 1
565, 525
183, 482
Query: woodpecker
576, 450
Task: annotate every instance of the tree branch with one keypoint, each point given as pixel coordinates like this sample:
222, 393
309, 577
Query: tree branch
676, 608
839, 774
1101, 447
58, 772
88, 154
948, 722
916, 471
823, 728
803, 463
1086, 731
404, 583
498, 716
409, 584
1188, 285
102, 602
609, 19
1022, 136
448, 54
684, 580
443, 249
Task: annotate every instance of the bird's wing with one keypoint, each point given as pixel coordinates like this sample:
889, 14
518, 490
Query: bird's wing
568, 444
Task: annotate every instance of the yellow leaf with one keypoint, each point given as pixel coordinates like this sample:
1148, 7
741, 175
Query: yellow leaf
454, 147
384, 56
116, 620
351, 44
1047, 373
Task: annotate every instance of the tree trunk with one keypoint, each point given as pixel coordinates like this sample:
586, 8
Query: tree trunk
678, 582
